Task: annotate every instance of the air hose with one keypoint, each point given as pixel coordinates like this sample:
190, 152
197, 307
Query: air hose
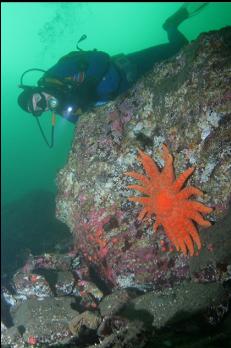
53, 121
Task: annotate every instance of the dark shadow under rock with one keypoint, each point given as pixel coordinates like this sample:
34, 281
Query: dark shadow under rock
29, 226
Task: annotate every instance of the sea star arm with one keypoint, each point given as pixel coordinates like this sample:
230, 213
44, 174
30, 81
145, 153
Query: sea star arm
191, 229
156, 224
189, 191
182, 246
138, 176
172, 237
199, 219
143, 200
139, 188
189, 243
182, 179
202, 208
149, 165
168, 171
142, 214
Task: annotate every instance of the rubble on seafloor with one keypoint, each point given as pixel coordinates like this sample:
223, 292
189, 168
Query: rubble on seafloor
123, 285
86, 314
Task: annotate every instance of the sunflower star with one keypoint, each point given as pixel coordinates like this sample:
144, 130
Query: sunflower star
169, 202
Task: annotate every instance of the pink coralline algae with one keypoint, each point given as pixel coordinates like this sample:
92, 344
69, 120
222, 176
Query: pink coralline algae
93, 242
119, 253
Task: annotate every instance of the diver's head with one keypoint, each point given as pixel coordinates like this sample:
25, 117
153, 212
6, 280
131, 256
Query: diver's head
34, 100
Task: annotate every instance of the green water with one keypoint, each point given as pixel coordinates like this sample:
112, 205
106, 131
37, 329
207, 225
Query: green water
36, 35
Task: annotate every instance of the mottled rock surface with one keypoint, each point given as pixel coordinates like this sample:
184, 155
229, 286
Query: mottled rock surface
88, 319
184, 102
172, 305
46, 321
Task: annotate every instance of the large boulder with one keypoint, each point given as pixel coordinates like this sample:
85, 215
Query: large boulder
184, 102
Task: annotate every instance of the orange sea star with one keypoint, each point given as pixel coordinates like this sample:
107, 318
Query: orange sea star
169, 202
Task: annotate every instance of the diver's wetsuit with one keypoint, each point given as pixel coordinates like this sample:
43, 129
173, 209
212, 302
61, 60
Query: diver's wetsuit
145, 59
85, 79
105, 77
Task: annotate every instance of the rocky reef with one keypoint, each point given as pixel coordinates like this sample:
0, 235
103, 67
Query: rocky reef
185, 103
124, 285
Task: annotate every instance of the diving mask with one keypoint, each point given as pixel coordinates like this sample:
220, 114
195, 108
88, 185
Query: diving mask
39, 103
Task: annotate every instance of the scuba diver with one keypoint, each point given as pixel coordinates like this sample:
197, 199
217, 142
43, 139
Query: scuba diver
82, 80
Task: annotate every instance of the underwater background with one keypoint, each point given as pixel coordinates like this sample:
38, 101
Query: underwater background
106, 282
36, 35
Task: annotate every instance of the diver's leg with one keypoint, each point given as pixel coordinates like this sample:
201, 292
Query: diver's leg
145, 59
187, 10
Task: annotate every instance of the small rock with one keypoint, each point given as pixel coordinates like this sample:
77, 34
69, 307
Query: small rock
88, 319
65, 283
31, 285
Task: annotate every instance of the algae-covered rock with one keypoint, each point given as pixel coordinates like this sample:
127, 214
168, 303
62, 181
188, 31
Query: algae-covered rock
184, 102
87, 319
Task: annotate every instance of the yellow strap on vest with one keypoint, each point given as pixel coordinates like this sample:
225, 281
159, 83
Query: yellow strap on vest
53, 120
54, 81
